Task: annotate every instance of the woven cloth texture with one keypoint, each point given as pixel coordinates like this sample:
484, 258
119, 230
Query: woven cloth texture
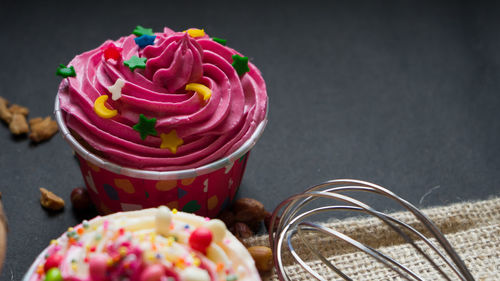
472, 228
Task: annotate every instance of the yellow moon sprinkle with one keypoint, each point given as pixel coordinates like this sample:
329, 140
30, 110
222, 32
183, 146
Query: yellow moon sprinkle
195, 32
201, 89
101, 110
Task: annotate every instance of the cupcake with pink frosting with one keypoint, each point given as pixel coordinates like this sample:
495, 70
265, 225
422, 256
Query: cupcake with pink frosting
164, 118
154, 244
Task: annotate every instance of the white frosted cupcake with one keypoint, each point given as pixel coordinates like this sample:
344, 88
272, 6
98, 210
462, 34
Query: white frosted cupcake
149, 245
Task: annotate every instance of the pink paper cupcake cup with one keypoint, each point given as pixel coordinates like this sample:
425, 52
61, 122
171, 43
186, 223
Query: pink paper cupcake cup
205, 190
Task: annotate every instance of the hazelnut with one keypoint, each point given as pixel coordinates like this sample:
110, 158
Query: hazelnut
267, 221
263, 257
80, 198
227, 217
241, 231
248, 210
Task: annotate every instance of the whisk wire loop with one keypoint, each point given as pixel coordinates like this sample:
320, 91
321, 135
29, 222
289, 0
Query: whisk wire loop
293, 214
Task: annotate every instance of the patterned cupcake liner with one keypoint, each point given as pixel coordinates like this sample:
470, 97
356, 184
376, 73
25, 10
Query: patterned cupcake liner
205, 190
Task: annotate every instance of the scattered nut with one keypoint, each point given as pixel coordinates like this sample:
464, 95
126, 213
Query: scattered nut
18, 124
263, 257
267, 220
248, 210
241, 231
80, 198
5, 114
227, 217
17, 109
42, 129
50, 201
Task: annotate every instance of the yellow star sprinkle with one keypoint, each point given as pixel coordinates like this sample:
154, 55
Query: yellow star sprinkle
195, 32
171, 141
201, 89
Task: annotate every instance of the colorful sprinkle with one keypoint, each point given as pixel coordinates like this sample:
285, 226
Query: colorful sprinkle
135, 62
145, 127
85, 224
65, 71
53, 275
174, 211
232, 277
139, 31
53, 242
145, 40
220, 40
116, 89
170, 241
220, 267
194, 32
201, 89
110, 51
171, 141
101, 110
240, 64
40, 270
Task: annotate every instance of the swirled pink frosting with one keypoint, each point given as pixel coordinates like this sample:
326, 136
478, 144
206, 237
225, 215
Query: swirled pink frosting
209, 129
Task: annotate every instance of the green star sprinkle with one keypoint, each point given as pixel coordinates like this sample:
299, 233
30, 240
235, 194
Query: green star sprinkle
139, 31
135, 62
145, 126
240, 64
65, 71
220, 40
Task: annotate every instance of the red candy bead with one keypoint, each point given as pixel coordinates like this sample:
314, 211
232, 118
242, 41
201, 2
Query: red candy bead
110, 51
52, 261
200, 239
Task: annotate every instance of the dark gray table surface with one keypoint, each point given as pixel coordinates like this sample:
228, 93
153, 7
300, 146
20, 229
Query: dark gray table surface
405, 94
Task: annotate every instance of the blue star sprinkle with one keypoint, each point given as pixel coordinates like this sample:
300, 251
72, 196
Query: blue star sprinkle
145, 40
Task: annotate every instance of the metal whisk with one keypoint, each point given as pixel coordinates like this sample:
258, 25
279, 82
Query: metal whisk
297, 208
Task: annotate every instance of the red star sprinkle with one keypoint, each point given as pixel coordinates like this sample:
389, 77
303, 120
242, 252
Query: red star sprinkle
110, 51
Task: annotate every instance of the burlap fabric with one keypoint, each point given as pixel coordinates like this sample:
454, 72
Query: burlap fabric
472, 228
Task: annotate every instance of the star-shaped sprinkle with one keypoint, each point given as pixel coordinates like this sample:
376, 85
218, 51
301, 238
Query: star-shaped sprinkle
110, 51
220, 40
145, 127
195, 32
240, 64
135, 62
145, 40
116, 89
65, 71
171, 141
139, 31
